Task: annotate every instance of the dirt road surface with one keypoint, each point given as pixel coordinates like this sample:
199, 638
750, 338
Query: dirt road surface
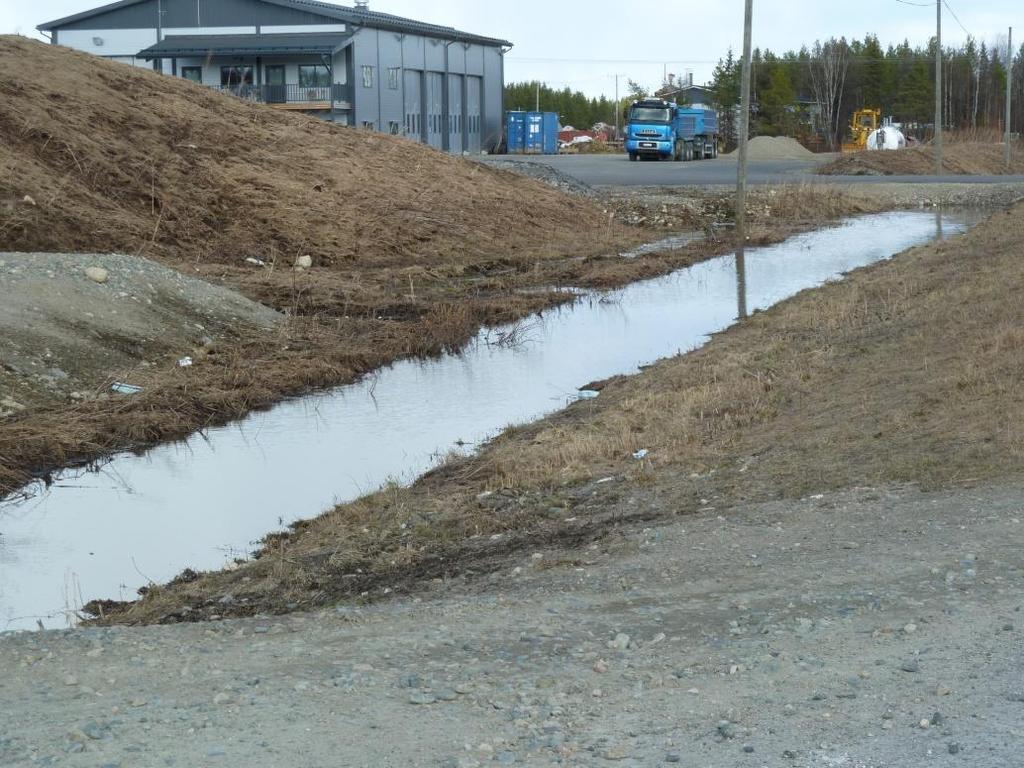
870, 628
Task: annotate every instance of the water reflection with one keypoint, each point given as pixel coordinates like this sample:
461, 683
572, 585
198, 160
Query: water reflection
199, 502
741, 282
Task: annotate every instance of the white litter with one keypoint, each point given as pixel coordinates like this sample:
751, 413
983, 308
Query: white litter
642, 453
125, 389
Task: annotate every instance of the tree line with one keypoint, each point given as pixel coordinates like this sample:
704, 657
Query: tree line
573, 107
812, 93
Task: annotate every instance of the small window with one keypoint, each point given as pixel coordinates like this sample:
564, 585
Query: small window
394, 128
314, 76
368, 125
393, 78
236, 76
193, 74
367, 76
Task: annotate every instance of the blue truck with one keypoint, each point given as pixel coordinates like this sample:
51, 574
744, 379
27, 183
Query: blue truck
660, 129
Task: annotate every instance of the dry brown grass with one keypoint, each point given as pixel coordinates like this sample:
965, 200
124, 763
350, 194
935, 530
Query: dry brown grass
114, 158
964, 154
909, 371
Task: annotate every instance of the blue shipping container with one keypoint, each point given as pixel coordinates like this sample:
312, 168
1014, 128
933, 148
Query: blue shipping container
515, 132
541, 133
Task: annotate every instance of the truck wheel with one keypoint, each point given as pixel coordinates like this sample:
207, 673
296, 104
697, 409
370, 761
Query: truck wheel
689, 152
632, 157
677, 151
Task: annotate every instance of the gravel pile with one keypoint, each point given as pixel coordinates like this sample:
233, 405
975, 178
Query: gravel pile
70, 320
775, 148
543, 172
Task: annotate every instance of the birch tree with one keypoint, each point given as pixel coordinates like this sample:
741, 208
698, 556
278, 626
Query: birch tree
830, 61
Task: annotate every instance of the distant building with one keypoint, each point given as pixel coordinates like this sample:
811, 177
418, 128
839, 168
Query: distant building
355, 66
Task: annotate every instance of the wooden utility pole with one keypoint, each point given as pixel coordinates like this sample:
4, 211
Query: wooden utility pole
536, 105
618, 107
938, 87
741, 164
1009, 95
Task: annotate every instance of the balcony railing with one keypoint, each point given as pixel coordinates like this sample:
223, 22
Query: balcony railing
297, 96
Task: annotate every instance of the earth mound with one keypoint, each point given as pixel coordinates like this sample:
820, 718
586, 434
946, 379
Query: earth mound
98, 156
963, 158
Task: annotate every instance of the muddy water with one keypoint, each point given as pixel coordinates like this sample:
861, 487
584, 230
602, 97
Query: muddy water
203, 502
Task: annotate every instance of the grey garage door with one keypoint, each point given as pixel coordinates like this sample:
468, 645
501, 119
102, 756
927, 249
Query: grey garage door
414, 104
455, 115
474, 100
435, 109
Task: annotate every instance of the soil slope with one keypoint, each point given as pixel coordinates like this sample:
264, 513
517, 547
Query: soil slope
101, 157
962, 158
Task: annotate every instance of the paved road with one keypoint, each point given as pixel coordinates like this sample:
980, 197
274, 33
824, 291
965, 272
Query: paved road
616, 170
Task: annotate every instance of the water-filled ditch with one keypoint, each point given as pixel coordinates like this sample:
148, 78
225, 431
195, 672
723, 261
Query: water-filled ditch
204, 501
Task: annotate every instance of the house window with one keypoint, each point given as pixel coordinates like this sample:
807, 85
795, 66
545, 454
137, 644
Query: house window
314, 76
394, 127
393, 78
367, 76
194, 74
236, 76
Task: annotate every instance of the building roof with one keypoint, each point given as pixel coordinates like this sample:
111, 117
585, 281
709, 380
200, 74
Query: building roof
246, 45
354, 16
87, 14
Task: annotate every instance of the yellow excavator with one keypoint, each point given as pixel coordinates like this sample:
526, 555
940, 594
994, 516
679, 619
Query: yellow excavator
862, 124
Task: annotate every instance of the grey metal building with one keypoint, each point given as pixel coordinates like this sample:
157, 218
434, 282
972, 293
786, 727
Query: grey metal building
359, 67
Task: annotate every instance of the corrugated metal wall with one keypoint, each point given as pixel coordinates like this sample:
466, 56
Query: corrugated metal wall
457, 86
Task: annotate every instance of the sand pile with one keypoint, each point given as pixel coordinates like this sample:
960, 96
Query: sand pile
775, 148
99, 156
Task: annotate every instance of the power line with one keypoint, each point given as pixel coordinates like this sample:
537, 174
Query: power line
948, 8
775, 62
956, 18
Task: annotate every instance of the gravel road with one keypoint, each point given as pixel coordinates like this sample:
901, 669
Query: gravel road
872, 628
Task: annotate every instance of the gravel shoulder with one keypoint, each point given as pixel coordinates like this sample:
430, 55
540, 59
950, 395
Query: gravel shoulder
865, 628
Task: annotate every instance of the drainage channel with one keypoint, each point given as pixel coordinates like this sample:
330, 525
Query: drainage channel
203, 502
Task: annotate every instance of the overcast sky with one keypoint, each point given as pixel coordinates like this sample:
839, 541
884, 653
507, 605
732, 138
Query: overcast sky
584, 44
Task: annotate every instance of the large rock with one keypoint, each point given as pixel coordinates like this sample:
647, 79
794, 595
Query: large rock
97, 274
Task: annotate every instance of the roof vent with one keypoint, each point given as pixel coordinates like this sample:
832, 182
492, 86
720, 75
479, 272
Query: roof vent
362, 5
